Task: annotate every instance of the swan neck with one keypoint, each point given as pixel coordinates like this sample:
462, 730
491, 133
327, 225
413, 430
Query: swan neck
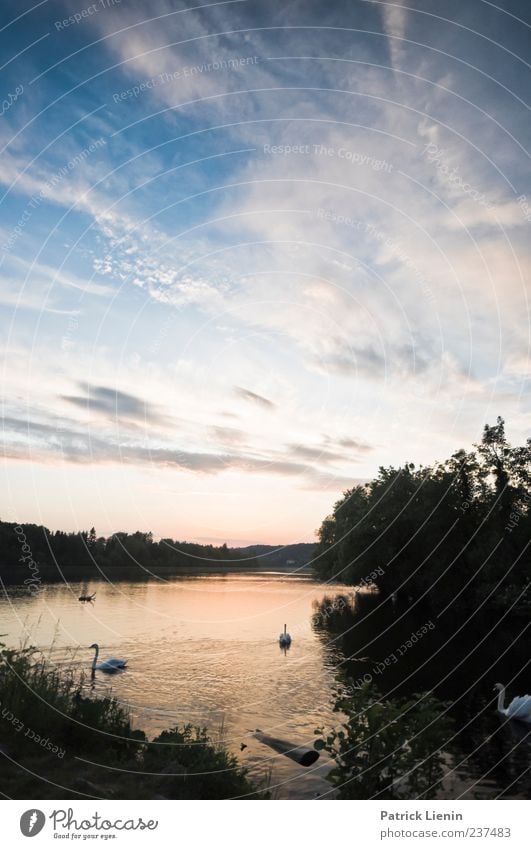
501, 700
96, 653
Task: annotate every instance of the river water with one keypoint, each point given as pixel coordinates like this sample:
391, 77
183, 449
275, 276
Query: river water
203, 649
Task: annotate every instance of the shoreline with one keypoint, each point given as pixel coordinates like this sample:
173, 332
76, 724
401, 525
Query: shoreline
118, 573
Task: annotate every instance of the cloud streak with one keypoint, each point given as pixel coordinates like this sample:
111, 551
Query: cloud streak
116, 405
50, 442
254, 398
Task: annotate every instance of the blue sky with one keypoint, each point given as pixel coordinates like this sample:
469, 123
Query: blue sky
250, 252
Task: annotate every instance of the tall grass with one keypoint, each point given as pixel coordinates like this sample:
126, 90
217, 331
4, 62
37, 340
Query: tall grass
51, 703
102, 751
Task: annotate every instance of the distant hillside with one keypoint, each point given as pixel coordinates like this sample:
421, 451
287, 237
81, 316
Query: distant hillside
290, 557
32, 553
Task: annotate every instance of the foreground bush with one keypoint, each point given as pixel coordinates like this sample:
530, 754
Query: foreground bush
59, 742
388, 748
193, 767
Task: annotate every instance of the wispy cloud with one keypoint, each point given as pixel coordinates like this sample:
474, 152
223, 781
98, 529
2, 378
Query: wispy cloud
295, 240
350, 444
254, 398
228, 435
394, 17
115, 404
315, 453
38, 441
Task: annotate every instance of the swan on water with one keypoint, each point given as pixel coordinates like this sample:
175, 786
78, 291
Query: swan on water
111, 665
519, 708
285, 639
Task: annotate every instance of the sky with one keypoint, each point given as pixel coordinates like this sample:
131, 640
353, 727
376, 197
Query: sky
250, 252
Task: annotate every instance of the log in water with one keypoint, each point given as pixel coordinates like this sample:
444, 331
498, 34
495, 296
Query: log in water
299, 754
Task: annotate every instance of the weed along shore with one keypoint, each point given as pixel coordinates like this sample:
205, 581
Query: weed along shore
62, 740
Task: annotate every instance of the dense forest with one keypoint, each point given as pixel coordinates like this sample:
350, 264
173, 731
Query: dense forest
442, 556
31, 552
457, 532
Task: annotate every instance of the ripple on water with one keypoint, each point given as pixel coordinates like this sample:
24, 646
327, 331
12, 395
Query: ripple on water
204, 650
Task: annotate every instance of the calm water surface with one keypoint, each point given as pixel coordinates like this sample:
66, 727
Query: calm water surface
202, 650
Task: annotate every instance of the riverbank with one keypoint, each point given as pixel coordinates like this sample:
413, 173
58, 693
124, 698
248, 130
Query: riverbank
13, 578
201, 649
58, 740
33, 554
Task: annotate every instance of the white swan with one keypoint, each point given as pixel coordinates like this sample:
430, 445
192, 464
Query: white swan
111, 665
519, 708
285, 639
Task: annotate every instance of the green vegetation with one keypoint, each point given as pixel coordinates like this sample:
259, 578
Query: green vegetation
456, 532
33, 551
60, 742
442, 555
388, 748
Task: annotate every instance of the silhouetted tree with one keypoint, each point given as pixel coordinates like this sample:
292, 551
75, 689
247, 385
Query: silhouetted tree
450, 532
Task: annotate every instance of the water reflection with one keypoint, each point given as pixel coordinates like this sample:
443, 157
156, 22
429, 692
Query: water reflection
403, 651
202, 650
205, 649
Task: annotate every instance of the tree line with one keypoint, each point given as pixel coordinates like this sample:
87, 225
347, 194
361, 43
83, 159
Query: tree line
454, 534
34, 549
